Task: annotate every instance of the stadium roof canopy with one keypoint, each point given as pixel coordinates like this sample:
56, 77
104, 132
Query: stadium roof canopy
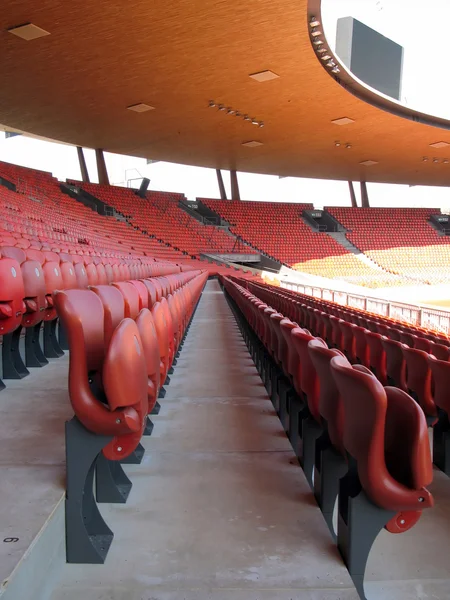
101, 57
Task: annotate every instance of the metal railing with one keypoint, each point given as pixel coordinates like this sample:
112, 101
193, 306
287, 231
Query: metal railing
430, 318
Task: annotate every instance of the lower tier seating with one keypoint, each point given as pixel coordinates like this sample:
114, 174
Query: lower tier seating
124, 340
358, 439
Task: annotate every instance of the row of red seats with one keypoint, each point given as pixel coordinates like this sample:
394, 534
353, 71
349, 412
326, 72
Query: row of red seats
28, 279
413, 360
159, 214
123, 340
276, 228
368, 443
38, 211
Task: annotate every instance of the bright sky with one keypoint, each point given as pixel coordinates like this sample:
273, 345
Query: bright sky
404, 22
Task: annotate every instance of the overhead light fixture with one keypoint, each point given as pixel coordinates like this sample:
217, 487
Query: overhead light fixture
263, 76
252, 144
318, 42
255, 122
343, 121
230, 111
222, 107
368, 163
212, 104
435, 160
325, 57
314, 22
261, 124
348, 146
28, 32
315, 32
247, 118
439, 145
321, 50
238, 113
445, 161
331, 64
337, 144
140, 107
425, 159
336, 70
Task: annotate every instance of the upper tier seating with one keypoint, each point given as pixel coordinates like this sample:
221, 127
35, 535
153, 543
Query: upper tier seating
160, 215
399, 239
40, 212
277, 228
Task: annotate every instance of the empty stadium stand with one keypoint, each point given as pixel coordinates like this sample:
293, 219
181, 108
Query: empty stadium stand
400, 240
159, 215
279, 230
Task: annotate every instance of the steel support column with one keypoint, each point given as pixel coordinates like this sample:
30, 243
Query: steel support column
101, 167
223, 194
234, 186
83, 167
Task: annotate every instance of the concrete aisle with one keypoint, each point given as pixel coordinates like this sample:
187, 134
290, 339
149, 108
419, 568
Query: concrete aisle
220, 509
32, 476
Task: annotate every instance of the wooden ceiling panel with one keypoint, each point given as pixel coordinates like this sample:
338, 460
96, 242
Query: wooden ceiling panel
101, 57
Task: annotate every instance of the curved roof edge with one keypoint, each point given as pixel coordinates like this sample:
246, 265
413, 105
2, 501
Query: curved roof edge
360, 90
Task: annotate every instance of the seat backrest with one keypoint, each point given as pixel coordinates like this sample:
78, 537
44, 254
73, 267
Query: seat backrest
361, 346
150, 344
331, 408
395, 363
81, 275
421, 343
12, 293
309, 382
441, 379
440, 351
125, 382
152, 291
131, 297
142, 291
159, 319
418, 379
81, 313
113, 309
348, 340
288, 352
373, 436
377, 355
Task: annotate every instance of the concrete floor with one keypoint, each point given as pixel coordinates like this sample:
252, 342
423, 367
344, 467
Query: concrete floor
32, 459
220, 509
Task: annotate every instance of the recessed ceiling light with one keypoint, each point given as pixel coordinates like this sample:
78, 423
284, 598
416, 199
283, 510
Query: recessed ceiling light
314, 22
439, 145
28, 32
336, 70
435, 160
348, 146
337, 144
140, 107
252, 144
368, 163
425, 158
343, 121
264, 76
